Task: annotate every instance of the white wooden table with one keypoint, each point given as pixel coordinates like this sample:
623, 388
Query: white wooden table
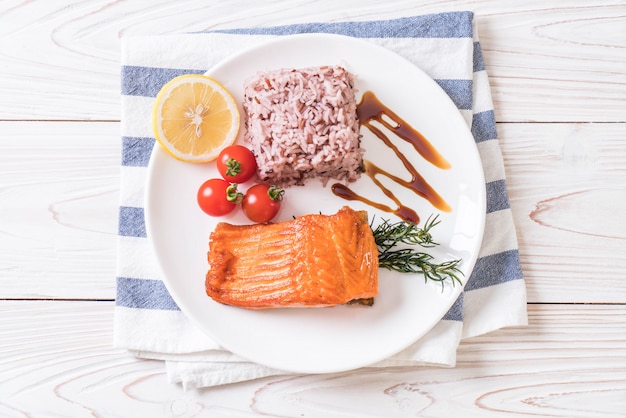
558, 75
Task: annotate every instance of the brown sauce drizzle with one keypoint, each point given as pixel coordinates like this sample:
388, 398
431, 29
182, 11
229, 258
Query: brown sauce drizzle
372, 109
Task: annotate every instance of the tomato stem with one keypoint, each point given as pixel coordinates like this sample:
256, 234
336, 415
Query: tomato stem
275, 193
233, 167
232, 195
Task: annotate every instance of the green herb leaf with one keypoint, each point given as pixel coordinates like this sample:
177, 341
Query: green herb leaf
409, 260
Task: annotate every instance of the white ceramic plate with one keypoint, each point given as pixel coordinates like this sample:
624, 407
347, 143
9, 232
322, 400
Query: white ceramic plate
317, 340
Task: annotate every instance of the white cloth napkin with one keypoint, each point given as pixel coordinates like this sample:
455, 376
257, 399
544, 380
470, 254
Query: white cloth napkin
149, 323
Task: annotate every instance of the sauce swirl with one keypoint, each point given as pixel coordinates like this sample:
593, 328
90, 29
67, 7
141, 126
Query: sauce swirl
372, 109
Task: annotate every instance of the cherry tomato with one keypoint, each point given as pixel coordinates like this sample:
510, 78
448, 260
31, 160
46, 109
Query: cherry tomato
236, 164
217, 197
262, 202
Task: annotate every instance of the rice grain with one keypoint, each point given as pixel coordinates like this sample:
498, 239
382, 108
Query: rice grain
302, 123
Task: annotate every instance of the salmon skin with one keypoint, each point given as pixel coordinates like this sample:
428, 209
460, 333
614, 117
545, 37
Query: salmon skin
311, 261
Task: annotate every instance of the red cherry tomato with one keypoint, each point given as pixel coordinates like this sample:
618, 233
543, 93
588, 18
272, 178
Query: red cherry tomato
236, 164
217, 197
262, 202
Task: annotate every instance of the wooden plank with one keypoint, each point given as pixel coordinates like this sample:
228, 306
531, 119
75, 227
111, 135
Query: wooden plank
554, 61
569, 362
60, 191
550, 61
567, 185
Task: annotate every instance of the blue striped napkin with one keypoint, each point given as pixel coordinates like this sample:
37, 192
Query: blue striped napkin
149, 323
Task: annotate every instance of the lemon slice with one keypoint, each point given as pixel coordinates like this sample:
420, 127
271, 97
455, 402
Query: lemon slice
194, 118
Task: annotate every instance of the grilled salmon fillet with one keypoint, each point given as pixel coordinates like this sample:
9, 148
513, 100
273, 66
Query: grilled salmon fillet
311, 261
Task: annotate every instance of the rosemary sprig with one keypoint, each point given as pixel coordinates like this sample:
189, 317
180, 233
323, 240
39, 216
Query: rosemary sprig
388, 235
407, 260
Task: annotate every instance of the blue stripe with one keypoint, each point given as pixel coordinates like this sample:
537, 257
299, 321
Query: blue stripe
143, 294
147, 81
136, 151
479, 63
455, 313
442, 25
497, 197
131, 222
484, 126
460, 91
495, 269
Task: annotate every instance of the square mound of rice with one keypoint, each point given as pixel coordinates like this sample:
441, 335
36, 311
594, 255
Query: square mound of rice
302, 123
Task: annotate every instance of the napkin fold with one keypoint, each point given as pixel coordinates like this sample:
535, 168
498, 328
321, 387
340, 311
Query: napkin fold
147, 320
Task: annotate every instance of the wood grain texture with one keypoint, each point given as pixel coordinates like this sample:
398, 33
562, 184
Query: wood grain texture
59, 193
548, 61
567, 186
556, 61
569, 362
559, 63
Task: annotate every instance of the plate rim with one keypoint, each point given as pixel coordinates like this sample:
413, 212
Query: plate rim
277, 39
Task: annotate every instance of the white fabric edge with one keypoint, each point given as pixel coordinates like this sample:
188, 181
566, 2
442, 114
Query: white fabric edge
481, 317
139, 261
140, 124
437, 347
499, 234
133, 184
195, 375
481, 95
187, 338
492, 162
